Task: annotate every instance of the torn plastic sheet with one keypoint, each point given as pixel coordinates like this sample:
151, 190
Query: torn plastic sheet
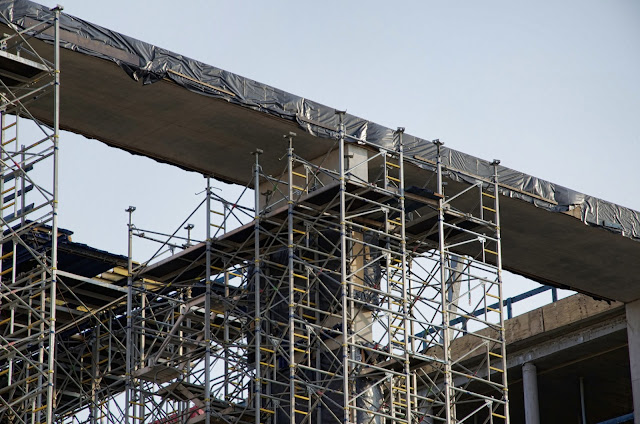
147, 63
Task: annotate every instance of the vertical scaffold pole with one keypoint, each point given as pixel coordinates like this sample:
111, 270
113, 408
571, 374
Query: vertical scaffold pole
227, 314
227, 366
54, 224
405, 283
207, 313
449, 412
129, 336
503, 344
292, 304
256, 283
94, 371
140, 397
343, 268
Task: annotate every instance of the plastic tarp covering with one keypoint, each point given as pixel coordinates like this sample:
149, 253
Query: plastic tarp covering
154, 64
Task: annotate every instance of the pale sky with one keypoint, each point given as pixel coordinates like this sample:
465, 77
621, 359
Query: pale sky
549, 88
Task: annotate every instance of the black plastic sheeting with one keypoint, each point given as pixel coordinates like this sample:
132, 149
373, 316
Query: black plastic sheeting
154, 64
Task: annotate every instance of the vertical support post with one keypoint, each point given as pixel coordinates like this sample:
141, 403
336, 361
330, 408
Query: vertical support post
503, 347
2, 168
226, 213
14, 267
448, 381
129, 335
16, 205
184, 297
207, 312
141, 393
530, 389
318, 360
256, 284
94, 372
389, 283
290, 265
481, 204
227, 366
22, 192
633, 337
41, 344
385, 176
583, 405
405, 295
343, 268
54, 223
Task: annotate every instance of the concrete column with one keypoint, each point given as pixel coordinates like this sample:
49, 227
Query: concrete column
530, 383
633, 338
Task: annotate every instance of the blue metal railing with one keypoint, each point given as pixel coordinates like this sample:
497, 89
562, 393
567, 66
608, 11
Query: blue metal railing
511, 300
508, 303
619, 420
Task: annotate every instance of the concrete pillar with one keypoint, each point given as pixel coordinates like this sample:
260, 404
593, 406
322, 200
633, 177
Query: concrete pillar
530, 383
633, 338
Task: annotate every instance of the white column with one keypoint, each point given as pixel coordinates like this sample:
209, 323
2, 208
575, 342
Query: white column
633, 338
530, 383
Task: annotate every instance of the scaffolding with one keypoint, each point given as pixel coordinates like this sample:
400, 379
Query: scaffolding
60, 321
355, 287
28, 211
342, 295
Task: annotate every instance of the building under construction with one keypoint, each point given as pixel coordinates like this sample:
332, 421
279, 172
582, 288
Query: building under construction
356, 279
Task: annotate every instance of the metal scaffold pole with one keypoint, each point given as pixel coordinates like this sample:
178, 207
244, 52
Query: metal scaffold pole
207, 310
406, 291
257, 289
291, 282
54, 223
447, 383
502, 336
129, 327
343, 270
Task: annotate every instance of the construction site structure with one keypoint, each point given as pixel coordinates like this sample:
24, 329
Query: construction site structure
356, 278
337, 301
334, 299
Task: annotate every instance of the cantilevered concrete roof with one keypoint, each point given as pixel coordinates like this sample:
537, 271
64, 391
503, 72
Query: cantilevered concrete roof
149, 101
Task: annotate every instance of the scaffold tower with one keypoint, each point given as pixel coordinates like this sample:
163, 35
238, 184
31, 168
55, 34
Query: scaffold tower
342, 294
360, 286
28, 211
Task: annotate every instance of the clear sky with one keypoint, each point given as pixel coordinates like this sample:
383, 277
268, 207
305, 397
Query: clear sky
550, 88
